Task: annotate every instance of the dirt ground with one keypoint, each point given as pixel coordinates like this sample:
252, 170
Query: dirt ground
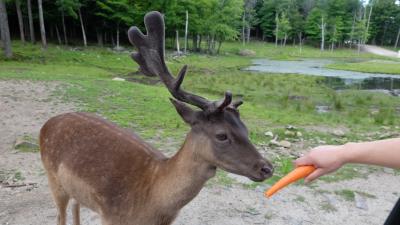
25, 106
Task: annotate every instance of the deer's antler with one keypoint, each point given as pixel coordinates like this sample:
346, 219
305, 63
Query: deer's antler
150, 56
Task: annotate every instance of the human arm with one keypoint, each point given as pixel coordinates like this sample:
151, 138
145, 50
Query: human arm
329, 158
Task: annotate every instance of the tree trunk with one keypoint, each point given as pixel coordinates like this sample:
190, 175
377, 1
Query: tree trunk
352, 30
199, 37
369, 19
31, 28
284, 40
243, 25
42, 28
20, 20
276, 31
248, 33
58, 36
219, 46
83, 28
177, 42
64, 28
322, 34
300, 41
112, 39
186, 30
194, 43
5, 31
397, 39
118, 36
99, 35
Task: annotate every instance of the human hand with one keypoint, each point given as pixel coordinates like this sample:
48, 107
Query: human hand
326, 159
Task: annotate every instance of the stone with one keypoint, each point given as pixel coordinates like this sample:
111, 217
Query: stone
285, 144
269, 134
361, 201
338, 133
290, 133
299, 134
247, 52
26, 144
118, 79
291, 127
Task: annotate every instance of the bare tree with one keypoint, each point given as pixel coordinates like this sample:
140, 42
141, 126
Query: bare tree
369, 19
31, 28
322, 27
64, 28
42, 28
276, 29
243, 28
397, 39
83, 28
186, 30
5, 31
20, 20
58, 36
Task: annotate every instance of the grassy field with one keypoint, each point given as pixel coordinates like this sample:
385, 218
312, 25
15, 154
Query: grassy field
370, 66
272, 101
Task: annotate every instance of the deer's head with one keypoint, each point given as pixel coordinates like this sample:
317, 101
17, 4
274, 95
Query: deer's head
217, 125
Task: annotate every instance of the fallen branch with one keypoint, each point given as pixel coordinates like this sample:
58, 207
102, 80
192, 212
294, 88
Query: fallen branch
18, 185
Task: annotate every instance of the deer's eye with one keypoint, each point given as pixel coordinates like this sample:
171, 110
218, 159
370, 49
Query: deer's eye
221, 137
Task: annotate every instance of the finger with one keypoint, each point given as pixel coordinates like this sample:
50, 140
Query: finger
314, 175
303, 161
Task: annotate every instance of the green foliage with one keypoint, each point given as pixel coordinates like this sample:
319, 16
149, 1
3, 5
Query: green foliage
116, 10
69, 7
313, 24
284, 26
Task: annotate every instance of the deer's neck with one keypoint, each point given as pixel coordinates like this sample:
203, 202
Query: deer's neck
183, 176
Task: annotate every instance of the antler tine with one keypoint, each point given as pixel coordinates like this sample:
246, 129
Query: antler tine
150, 57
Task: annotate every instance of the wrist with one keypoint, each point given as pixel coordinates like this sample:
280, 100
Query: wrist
346, 152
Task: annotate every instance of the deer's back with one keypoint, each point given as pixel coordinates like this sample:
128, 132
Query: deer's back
108, 160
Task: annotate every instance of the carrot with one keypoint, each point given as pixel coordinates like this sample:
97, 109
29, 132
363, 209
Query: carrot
296, 174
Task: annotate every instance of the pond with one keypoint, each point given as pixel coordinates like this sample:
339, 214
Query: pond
337, 79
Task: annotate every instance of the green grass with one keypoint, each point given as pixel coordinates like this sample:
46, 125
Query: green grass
374, 66
272, 101
346, 194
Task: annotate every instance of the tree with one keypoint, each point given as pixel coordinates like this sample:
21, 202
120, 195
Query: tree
67, 7
82, 27
283, 28
31, 28
42, 28
20, 20
5, 31
119, 12
360, 32
313, 23
335, 31
267, 17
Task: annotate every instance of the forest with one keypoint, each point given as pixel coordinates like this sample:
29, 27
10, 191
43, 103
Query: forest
327, 24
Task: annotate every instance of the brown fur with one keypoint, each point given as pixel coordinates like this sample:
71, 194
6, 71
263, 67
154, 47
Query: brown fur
103, 167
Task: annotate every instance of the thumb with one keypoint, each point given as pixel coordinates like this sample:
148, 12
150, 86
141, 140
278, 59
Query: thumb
303, 161
314, 175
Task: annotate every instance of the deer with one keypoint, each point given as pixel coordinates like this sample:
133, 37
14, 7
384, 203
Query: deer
125, 180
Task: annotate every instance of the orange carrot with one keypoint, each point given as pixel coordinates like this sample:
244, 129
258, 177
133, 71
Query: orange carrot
296, 174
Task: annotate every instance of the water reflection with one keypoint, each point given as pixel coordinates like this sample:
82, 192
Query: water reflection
336, 79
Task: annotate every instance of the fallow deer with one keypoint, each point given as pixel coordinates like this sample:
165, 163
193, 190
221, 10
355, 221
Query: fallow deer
125, 180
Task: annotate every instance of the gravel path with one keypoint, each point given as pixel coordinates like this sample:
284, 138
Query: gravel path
25, 106
379, 51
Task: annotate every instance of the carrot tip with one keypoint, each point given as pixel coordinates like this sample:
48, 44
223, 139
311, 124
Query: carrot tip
296, 174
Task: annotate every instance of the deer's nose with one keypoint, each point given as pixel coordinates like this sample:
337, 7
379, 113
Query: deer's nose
265, 169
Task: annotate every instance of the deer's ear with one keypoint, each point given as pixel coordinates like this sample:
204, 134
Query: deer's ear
187, 113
